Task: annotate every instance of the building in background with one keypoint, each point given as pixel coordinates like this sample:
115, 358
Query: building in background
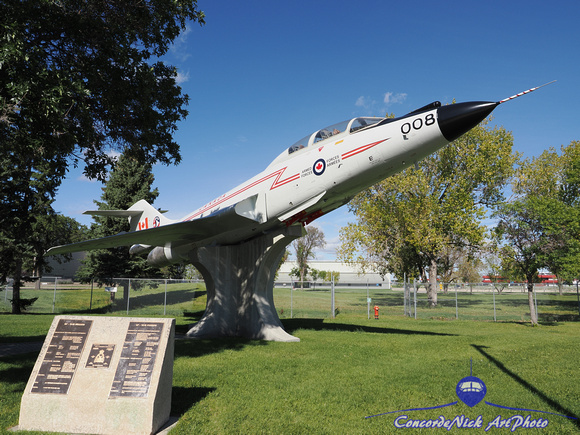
66, 269
349, 274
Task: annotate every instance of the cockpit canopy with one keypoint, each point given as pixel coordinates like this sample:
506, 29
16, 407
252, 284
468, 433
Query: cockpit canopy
348, 127
336, 131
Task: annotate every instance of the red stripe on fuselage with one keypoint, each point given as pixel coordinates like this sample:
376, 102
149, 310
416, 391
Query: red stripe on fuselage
361, 149
277, 183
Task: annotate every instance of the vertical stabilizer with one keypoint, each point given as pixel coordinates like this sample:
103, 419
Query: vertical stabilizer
149, 217
141, 215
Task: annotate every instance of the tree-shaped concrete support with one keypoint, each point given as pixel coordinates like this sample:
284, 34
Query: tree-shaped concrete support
239, 281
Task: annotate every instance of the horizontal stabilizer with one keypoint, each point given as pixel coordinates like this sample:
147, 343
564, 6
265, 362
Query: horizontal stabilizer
114, 213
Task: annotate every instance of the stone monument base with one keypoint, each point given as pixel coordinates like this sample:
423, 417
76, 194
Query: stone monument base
101, 375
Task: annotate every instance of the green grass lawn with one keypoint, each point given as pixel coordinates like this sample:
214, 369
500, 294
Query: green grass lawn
348, 368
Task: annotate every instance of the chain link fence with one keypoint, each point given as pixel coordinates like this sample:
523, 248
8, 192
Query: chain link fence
138, 297
478, 301
166, 297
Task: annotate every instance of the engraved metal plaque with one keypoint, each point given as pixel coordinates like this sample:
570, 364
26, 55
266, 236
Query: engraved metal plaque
62, 356
100, 356
134, 370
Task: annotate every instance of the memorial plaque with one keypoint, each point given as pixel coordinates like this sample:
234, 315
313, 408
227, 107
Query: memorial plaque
62, 357
134, 370
109, 375
100, 356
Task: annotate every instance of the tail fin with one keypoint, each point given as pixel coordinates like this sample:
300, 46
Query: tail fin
141, 215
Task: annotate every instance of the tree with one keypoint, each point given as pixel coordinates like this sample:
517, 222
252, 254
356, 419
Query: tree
27, 185
407, 222
129, 182
304, 249
316, 274
332, 275
546, 189
77, 79
469, 269
521, 230
499, 277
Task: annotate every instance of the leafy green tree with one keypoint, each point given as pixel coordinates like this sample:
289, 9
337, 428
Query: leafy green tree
331, 274
406, 223
494, 266
551, 183
77, 79
304, 249
521, 230
129, 182
469, 269
561, 218
540, 227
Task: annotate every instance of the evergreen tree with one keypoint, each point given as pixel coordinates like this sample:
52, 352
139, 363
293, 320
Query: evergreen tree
130, 182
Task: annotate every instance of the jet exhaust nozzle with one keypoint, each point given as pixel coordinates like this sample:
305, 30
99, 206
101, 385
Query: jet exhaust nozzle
457, 119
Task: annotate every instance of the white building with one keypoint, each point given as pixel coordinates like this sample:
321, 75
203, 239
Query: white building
349, 274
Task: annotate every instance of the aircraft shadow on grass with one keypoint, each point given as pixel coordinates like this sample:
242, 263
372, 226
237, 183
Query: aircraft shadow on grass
192, 348
528, 386
18, 374
291, 325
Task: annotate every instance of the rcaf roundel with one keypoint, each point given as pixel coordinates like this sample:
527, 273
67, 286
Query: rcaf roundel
319, 167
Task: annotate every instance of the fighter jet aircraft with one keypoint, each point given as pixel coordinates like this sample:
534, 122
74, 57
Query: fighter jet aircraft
312, 177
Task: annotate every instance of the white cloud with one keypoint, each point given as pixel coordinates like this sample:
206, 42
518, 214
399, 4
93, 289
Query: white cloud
182, 77
392, 98
360, 102
179, 48
86, 179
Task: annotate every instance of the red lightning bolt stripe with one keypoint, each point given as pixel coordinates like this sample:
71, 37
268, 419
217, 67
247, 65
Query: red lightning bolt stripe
361, 149
276, 183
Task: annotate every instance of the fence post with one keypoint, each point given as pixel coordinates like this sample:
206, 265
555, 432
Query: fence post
165, 299
91, 301
456, 306
54, 297
291, 293
535, 299
368, 302
578, 296
128, 295
405, 294
415, 290
493, 293
332, 296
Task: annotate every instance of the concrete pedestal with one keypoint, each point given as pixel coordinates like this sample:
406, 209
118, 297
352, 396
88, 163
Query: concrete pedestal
239, 281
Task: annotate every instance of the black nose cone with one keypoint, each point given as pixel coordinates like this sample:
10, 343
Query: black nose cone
457, 119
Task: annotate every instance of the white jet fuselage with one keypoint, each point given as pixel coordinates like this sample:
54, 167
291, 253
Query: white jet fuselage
309, 182
316, 175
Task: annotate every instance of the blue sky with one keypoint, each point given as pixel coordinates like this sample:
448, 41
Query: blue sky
261, 74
